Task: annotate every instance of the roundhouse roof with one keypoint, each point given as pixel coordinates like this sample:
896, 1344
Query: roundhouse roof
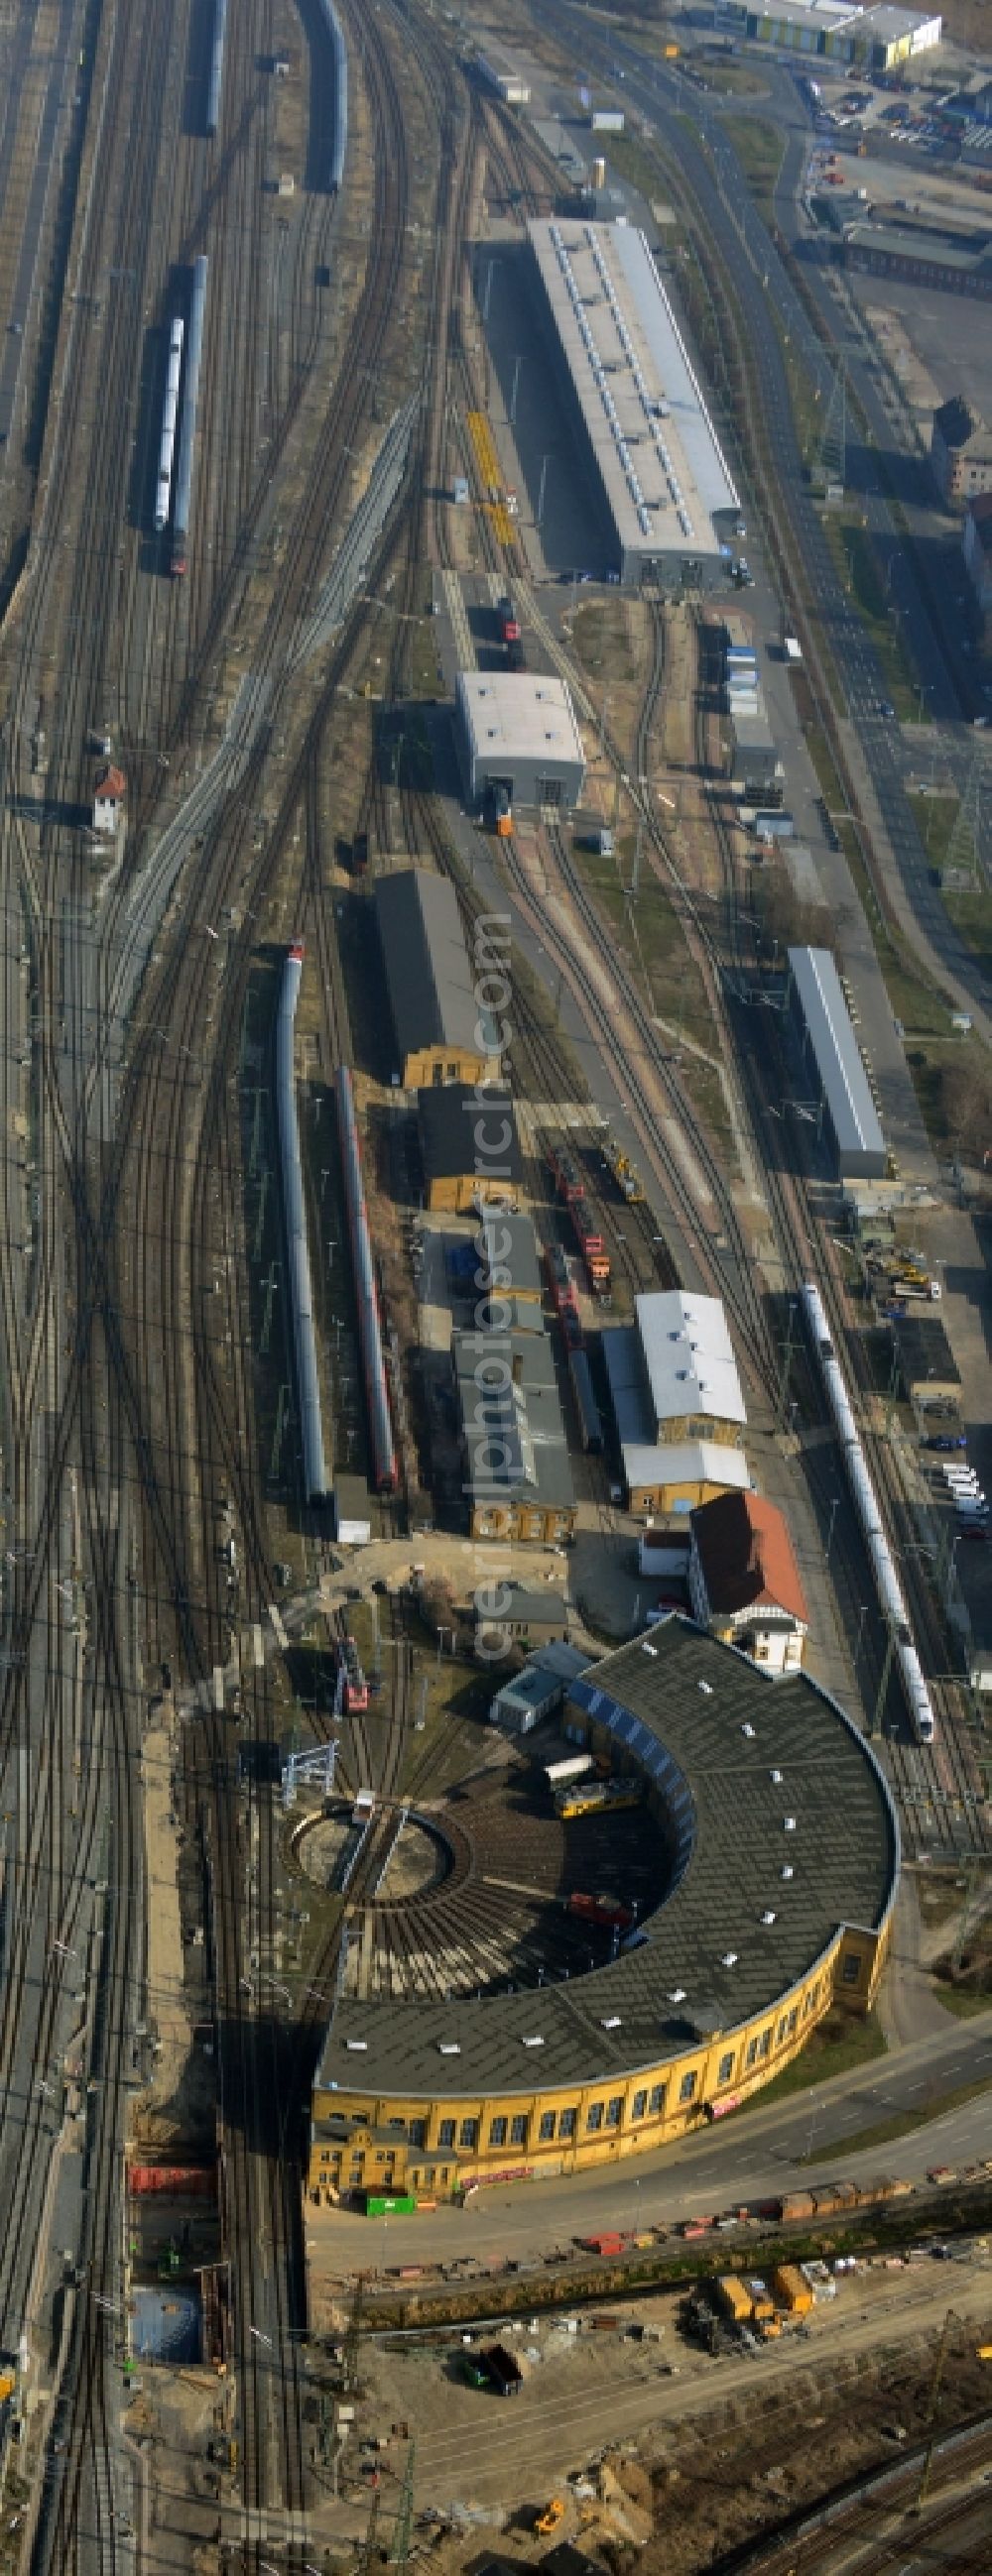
735, 1756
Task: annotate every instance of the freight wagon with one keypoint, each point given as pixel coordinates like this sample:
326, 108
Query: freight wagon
604, 1910
565, 1174
590, 1424
353, 1686
563, 1282
591, 1245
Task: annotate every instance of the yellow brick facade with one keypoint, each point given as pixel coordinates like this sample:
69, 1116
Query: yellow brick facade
439, 1064
662, 1497
532, 1524
434, 2147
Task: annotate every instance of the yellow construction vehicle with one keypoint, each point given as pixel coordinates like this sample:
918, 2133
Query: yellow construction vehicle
554, 2514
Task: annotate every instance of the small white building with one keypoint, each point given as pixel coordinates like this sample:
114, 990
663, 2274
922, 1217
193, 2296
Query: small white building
518, 739
744, 1582
108, 802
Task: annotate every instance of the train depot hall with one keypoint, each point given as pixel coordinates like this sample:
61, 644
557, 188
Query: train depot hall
518, 740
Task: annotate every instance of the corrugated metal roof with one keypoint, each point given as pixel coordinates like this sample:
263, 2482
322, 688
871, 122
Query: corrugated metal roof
843, 1079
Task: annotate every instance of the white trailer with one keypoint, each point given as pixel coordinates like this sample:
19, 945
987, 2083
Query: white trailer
576, 1767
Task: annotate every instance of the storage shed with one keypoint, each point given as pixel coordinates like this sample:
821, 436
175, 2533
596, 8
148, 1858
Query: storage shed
833, 1065
518, 740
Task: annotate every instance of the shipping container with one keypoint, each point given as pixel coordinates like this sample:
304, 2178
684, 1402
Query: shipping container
389, 2204
791, 2289
607, 120
734, 2298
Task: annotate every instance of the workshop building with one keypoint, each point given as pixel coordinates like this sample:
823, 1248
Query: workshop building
510, 1262
517, 1477
833, 1066
440, 1032
960, 451
690, 1372
637, 404
838, 31
777, 1909
927, 1366
469, 1147
518, 740
673, 1460
955, 263
508, 1614
744, 1581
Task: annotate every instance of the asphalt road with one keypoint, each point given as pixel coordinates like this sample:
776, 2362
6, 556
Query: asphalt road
746, 2158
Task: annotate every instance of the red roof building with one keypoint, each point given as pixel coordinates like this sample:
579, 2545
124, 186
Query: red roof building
744, 1580
108, 800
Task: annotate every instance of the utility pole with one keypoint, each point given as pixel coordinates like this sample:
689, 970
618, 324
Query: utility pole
367, 2551
938, 2373
270, 1290
876, 1723
260, 1220
789, 1345
352, 2340
404, 2517
281, 1411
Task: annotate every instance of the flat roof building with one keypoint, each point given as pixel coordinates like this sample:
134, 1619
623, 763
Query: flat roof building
832, 1058
469, 1147
665, 481
440, 1033
518, 738
837, 31
952, 262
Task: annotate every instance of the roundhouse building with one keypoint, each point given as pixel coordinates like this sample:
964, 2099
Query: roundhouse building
782, 1852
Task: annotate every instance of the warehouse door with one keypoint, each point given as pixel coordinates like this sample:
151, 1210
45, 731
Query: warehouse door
549, 791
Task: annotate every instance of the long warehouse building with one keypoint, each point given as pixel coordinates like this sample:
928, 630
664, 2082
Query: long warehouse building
834, 1062
667, 487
